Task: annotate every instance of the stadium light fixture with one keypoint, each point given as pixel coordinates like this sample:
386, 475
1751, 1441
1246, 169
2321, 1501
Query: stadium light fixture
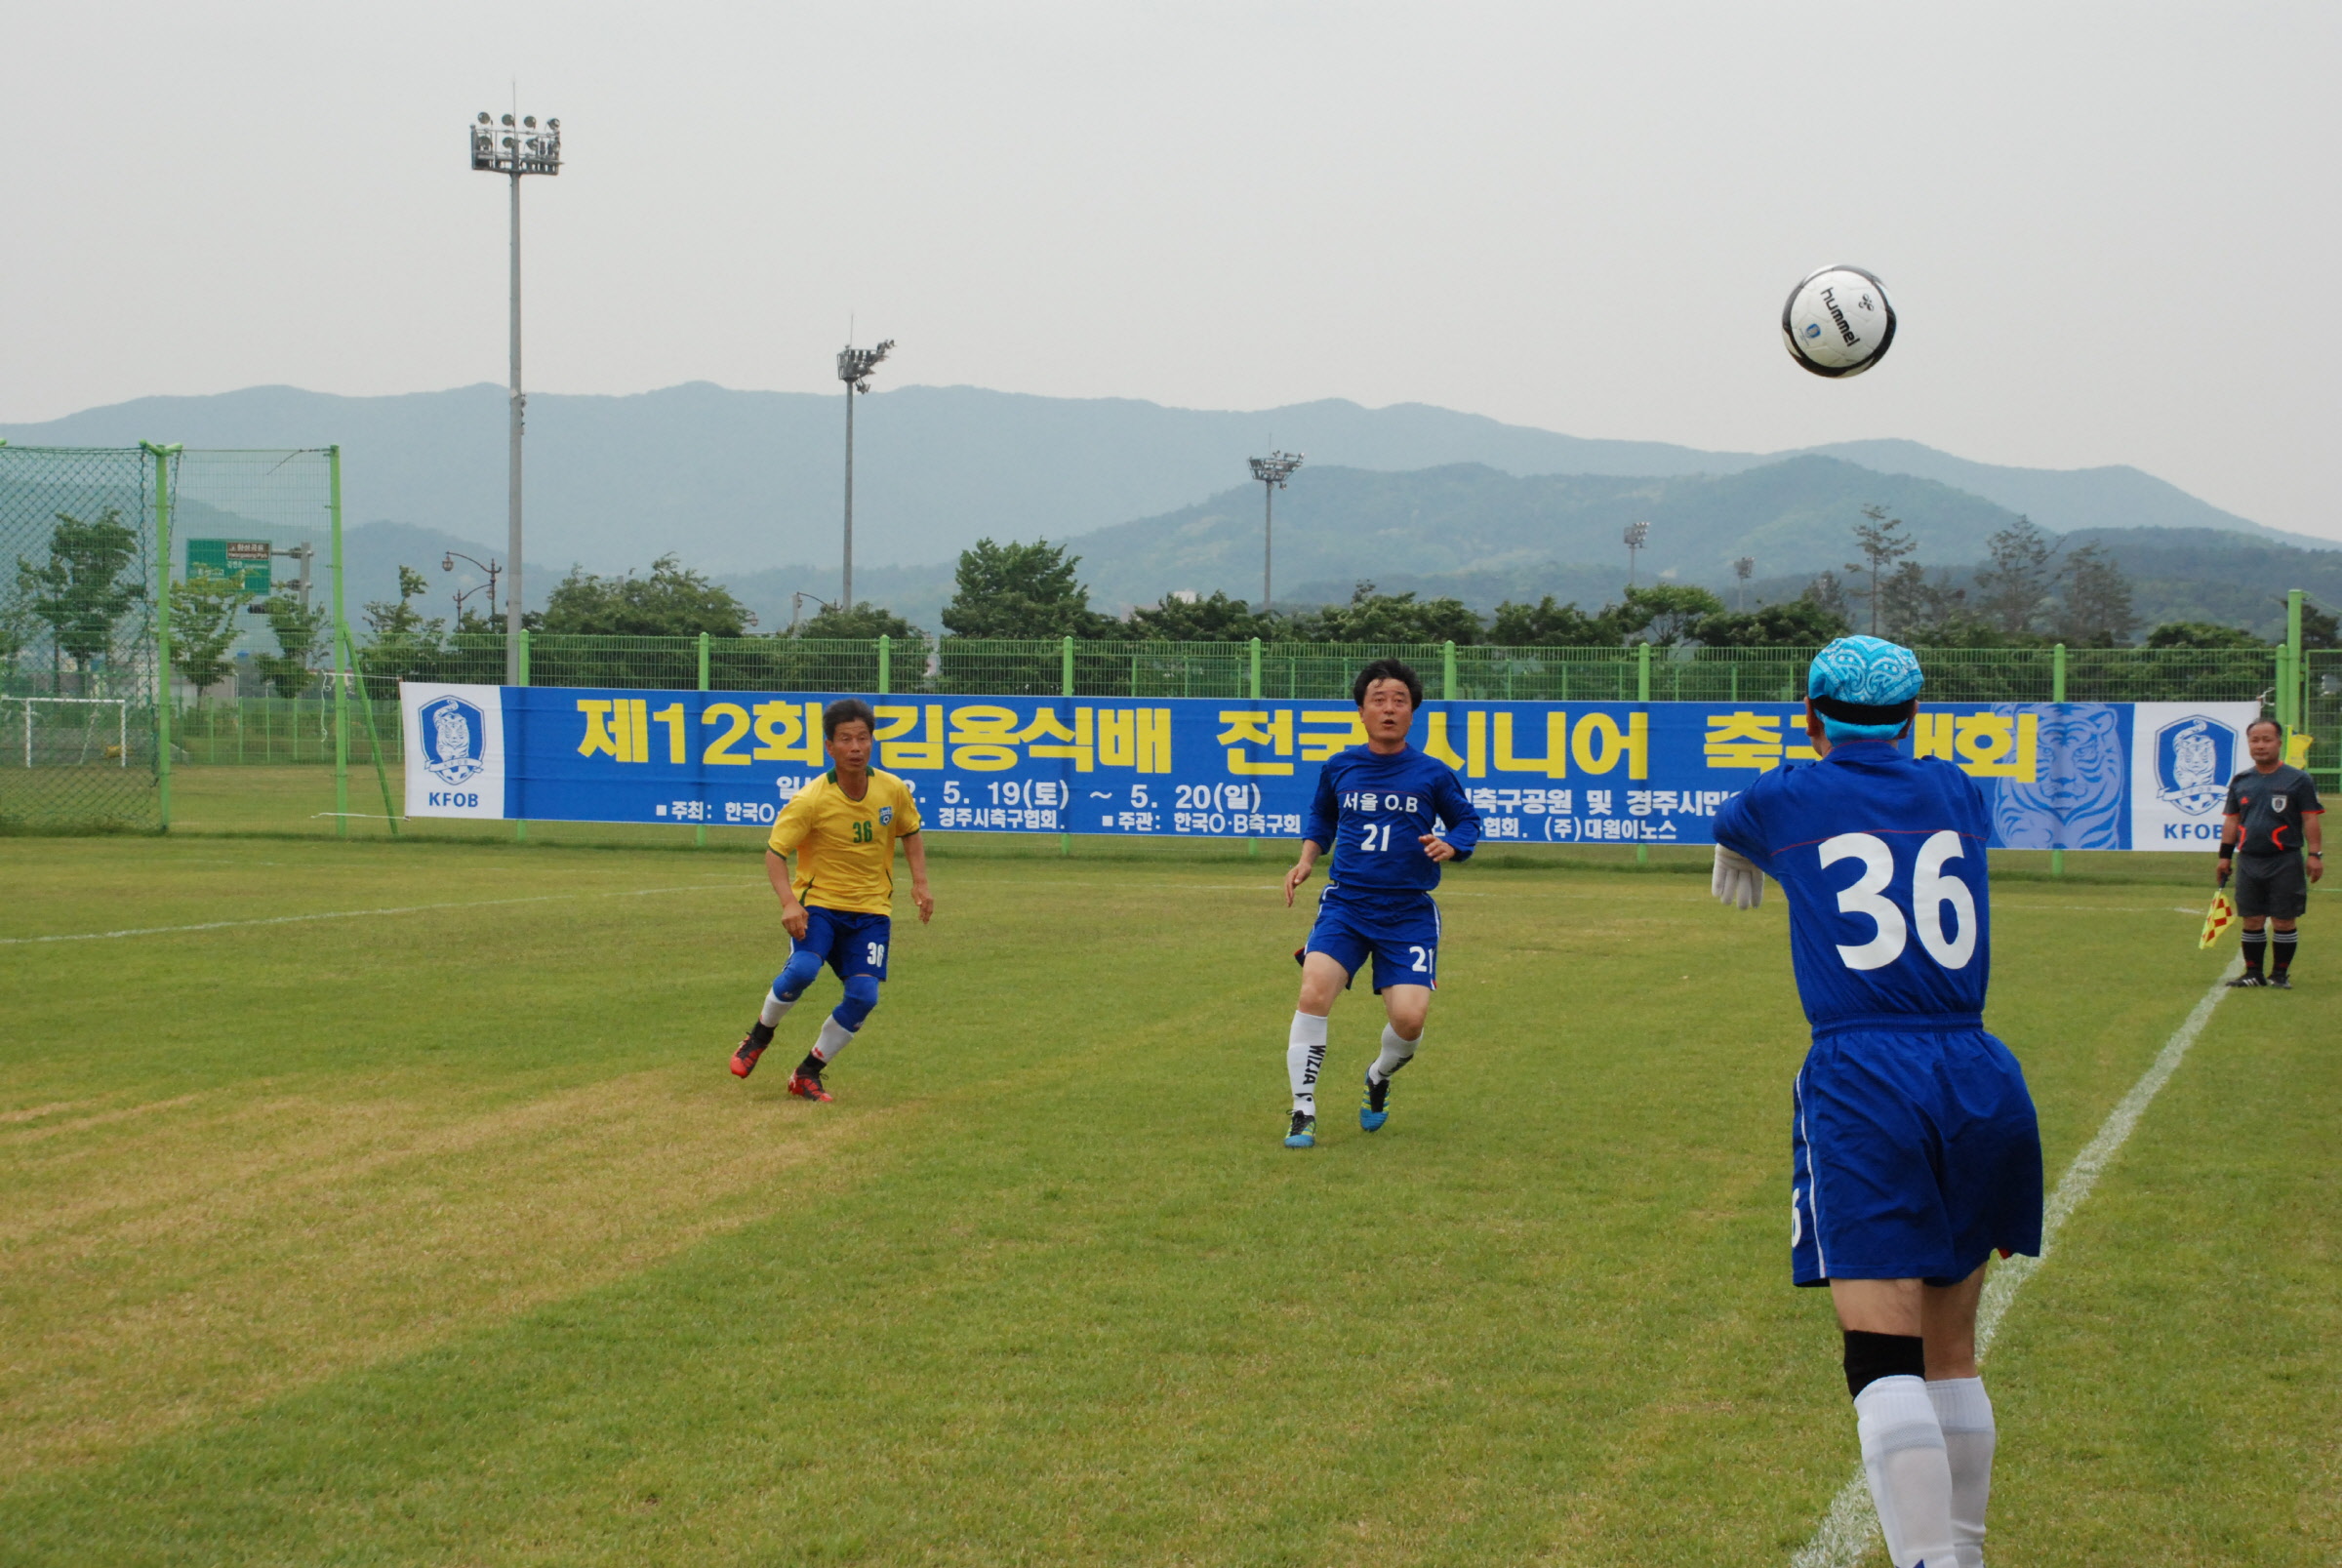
1638, 535
1271, 471
1743, 569
503, 147
853, 366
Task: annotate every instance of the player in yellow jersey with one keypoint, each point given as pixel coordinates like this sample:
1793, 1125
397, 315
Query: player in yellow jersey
838, 905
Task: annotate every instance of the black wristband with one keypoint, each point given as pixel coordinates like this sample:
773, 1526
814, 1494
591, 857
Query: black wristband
2226, 852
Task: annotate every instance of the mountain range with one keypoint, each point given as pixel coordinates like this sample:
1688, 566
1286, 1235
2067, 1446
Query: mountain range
747, 485
741, 481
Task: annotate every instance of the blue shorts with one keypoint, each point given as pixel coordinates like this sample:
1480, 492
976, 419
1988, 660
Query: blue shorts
849, 943
1916, 1155
1403, 934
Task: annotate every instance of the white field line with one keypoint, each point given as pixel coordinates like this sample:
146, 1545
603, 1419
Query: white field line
360, 914
1848, 1530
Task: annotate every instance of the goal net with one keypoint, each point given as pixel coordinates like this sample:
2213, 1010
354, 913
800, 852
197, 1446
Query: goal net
79, 576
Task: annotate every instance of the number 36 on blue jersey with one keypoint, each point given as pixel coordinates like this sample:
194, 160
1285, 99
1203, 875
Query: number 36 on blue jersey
1933, 905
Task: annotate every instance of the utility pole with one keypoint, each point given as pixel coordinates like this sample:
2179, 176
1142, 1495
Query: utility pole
853, 366
1271, 471
515, 150
1638, 534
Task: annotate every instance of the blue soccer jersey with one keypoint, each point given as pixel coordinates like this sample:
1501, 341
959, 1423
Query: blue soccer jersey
1882, 859
1914, 1147
1372, 811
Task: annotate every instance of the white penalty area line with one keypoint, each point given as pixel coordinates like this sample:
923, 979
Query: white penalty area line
361, 914
1848, 1530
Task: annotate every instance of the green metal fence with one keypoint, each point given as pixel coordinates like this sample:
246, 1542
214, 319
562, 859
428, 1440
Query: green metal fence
1312, 670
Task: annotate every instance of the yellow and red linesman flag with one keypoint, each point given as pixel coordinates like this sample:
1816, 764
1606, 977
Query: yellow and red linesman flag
2217, 919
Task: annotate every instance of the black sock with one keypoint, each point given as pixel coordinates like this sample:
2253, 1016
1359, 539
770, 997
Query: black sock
2254, 942
760, 1034
2281, 951
811, 1066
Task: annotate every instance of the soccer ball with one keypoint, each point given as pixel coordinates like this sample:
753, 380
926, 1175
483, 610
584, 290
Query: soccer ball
1837, 321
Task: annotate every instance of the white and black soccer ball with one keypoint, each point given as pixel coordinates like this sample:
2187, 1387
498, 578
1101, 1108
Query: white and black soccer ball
1837, 321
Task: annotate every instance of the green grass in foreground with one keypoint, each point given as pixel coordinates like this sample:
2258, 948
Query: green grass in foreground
445, 1236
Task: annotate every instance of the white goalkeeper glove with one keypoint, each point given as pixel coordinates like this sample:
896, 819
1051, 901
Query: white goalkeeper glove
1736, 880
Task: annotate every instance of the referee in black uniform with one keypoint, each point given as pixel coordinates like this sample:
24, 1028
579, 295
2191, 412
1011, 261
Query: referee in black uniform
2272, 826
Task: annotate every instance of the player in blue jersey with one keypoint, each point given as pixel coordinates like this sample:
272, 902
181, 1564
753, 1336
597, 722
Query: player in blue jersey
1380, 808
1914, 1147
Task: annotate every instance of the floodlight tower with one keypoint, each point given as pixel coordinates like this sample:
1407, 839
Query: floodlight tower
1271, 471
853, 366
1743, 569
515, 150
1638, 534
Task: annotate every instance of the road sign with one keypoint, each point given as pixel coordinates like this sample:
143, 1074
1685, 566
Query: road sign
245, 558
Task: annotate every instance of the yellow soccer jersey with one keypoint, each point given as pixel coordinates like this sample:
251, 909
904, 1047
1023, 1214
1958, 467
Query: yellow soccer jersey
845, 847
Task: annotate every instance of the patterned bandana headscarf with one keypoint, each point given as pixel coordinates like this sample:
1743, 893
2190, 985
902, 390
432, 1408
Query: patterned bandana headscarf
1858, 682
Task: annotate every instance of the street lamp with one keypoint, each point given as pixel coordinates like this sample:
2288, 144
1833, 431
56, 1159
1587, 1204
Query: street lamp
853, 366
1638, 535
1271, 471
796, 606
447, 563
515, 150
1743, 569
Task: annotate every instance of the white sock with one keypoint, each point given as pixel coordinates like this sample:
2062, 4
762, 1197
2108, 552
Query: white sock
1965, 1412
834, 1039
1911, 1478
1305, 1054
1397, 1052
775, 1010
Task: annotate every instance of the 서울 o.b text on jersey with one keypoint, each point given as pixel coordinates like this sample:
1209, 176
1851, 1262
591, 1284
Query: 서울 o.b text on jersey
1371, 812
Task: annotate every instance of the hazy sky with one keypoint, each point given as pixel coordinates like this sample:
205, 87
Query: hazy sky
2100, 223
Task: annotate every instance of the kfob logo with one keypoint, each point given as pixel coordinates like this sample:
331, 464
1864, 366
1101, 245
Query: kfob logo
2194, 758
455, 737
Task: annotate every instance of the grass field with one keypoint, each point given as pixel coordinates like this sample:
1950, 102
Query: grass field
443, 1236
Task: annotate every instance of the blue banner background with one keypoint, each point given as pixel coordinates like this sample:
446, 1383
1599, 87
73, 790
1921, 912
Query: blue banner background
2059, 776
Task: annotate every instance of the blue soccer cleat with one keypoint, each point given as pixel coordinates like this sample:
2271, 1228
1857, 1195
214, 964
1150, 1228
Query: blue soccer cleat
1374, 1110
1305, 1131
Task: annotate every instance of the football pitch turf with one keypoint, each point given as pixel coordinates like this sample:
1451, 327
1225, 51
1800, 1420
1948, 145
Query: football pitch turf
436, 1232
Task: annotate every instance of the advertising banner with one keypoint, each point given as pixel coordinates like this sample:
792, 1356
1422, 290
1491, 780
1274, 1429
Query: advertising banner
2060, 776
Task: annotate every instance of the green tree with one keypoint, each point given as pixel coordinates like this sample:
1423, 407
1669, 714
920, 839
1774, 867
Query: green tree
1922, 609
290, 670
17, 621
1546, 624
1386, 617
1882, 544
203, 628
1829, 594
1217, 619
2096, 608
2202, 634
1022, 592
2013, 589
865, 621
673, 601
80, 592
2319, 630
405, 646
1664, 613
1802, 622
